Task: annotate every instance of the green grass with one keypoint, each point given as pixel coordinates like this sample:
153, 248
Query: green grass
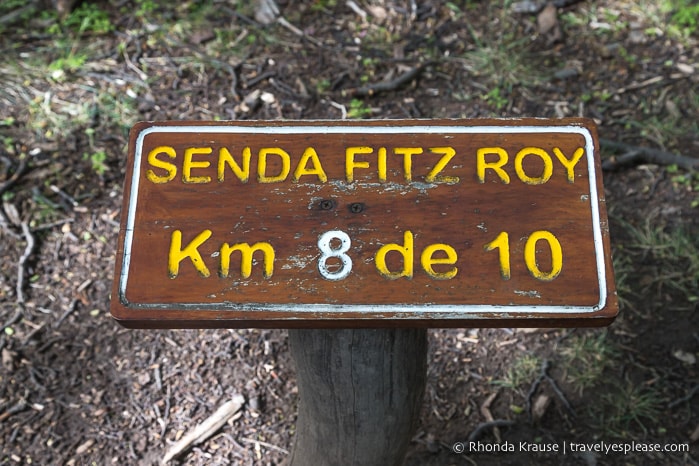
585, 358
686, 181
626, 409
684, 15
88, 18
358, 110
668, 256
501, 59
523, 370
624, 271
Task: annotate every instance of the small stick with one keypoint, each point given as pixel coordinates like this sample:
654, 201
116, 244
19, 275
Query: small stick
354, 7
485, 411
31, 334
281, 20
64, 195
6, 226
5, 185
46, 226
560, 395
386, 86
340, 107
544, 375
71, 308
12, 320
20, 406
264, 444
687, 397
206, 429
22, 260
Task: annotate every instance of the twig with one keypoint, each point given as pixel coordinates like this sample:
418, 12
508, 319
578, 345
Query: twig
12, 320
340, 107
258, 78
387, 86
22, 261
141, 75
20, 406
495, 423
23, 162
5, 226
485, 411
166, 418
46, 226
64, 195
233, 13
206, 429
281, 20
264, 444
544, 375
636, 85
31, 334
560, 395
354, 7
71, 308
634, 155
685, 398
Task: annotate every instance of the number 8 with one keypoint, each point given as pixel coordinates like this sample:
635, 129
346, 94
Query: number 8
328, 252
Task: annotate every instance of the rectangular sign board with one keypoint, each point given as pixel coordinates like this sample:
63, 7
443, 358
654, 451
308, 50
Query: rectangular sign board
437, 223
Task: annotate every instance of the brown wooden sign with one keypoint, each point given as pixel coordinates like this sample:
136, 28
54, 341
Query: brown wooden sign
364, 223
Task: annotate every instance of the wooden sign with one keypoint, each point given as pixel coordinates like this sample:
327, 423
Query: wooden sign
364, 223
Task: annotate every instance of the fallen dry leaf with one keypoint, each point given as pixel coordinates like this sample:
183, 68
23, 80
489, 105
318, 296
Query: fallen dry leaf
540, 406
685, 357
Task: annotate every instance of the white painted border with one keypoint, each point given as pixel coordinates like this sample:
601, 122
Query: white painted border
437, 311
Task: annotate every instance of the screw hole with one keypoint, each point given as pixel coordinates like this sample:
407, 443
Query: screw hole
327, 204
356, 207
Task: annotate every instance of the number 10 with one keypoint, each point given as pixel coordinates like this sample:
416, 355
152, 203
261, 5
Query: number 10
502, 244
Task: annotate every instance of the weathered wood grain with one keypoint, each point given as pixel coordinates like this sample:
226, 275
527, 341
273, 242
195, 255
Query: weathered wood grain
360, 393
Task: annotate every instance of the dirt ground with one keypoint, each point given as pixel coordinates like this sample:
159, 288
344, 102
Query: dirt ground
77, 389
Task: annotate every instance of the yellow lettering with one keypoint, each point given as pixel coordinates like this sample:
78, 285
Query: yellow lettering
569, 164
317, 170
427, 260
382, 164
447, 154
262, 176
405, 250
225, 158
407, 153
543, 155
177, 254
351, 164
154, 161
482, 165
188, 164
556, 255
246, 253
502, 244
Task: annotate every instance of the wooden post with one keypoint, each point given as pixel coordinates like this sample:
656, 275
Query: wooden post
360, 394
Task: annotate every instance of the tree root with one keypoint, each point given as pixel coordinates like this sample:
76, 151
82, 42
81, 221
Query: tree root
636, 155
495, 423
387, 86
544, 375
